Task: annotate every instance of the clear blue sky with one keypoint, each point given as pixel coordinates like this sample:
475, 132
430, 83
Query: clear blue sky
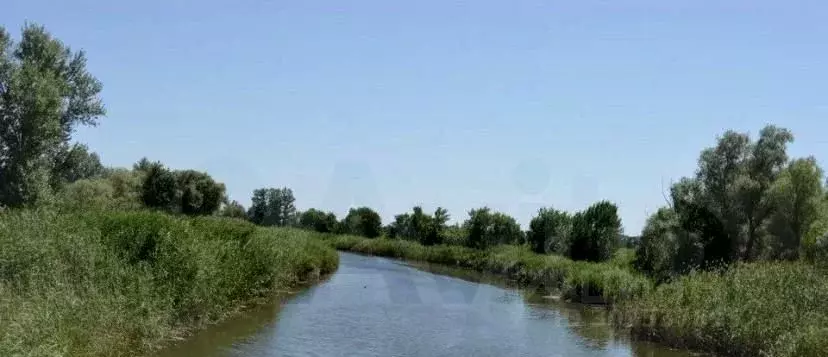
510, 104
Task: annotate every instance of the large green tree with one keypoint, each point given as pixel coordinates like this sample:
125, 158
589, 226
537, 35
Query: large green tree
549, 231
160, 188
324, 222
199, 193
797, 195
595, 232
75, 163
273, 207
362, 221
487, 228
45, 93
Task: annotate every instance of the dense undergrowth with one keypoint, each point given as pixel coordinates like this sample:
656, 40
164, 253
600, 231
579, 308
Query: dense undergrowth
757, 309
122, 284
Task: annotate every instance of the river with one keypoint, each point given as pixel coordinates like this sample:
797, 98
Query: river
381, 307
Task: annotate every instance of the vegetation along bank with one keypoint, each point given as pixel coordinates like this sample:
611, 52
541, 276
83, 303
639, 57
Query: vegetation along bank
109, 261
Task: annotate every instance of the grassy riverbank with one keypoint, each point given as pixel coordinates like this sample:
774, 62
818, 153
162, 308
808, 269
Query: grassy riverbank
122, 284
759, 309
578, 281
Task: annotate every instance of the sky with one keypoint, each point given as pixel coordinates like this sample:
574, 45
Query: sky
514, 105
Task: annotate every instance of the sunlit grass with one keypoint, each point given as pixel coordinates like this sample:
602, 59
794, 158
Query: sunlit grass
122, 284
759, 309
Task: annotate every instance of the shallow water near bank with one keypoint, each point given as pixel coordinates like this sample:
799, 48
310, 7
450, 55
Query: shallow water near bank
381, 307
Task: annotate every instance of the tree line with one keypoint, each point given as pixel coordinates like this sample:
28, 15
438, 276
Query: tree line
746, 201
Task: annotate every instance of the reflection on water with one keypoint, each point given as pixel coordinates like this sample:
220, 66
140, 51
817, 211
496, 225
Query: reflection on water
380, 307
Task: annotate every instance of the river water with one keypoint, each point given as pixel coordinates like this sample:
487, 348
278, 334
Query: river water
380, 307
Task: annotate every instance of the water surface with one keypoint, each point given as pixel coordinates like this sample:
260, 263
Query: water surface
380, 307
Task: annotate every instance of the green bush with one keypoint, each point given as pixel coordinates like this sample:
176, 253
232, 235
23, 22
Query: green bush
122, 284
758, 309
595, 233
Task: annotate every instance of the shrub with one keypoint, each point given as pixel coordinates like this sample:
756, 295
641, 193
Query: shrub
595, 232
122, 284
549, 231
758, 309
362, 221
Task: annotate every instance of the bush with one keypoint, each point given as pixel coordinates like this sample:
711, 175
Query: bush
487, 229
362, 221
318, 221
595, 233
759, 309
122, 284
549, 231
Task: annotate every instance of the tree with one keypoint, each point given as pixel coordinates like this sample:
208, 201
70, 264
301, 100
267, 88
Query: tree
126, 186
796, 196
401, 227
362, 221
657, 252
159, 189
478, 225
595, 232
733, 186
199, 193
767, 158
233, 209
318, 221
45, 93
486, 228
75, 163
436, 230
273, 207
143, 165
419, 226
549, 231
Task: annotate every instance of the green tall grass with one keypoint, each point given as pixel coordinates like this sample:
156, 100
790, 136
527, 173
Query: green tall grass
123, 284
759, 309
608, 282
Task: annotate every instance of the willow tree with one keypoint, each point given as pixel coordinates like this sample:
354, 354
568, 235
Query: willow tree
45, 94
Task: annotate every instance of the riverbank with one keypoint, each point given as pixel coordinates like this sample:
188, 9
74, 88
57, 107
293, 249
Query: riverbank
759, 309
585, 282
125, 283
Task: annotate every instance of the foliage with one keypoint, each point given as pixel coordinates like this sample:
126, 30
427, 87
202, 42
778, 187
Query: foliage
199, 193
487, 228
757, 309
323, 222
233, 209
656, 254
747, 201
577, 281
796, 195
272, 207
75, 163
122, 284
595, 233
549, 231
45, 93
362, 221
420, 227
160, 188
